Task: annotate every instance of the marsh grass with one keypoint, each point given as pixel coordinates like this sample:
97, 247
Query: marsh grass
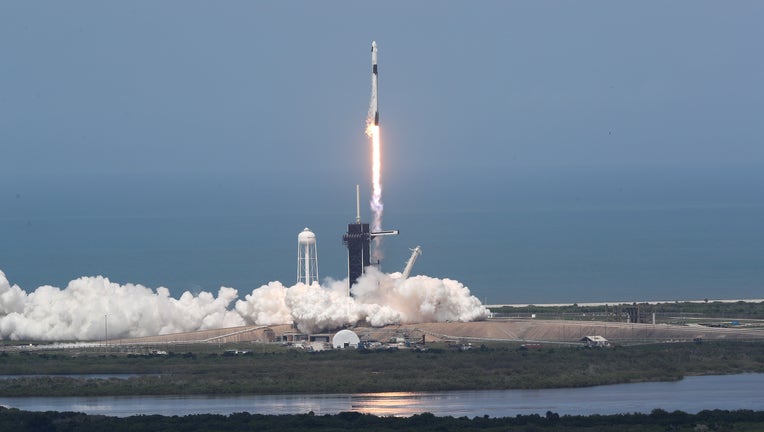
279, 371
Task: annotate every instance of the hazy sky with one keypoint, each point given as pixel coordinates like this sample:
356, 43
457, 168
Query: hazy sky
202, 107
472, 91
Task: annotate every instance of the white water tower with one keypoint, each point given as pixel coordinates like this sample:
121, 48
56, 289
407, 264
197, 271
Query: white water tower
307, 257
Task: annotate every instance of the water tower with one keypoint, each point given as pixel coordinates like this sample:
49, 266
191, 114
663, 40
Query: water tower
307, 257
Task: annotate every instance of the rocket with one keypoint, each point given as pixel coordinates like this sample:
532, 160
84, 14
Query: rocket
374, 109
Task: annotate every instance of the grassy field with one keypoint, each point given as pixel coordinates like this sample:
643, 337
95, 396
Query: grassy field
271, 369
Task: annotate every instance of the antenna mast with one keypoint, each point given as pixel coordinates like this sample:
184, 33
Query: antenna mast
357, 204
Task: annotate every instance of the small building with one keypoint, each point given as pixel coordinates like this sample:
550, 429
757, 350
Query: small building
293, 337
595, 342
345, 339
320, 337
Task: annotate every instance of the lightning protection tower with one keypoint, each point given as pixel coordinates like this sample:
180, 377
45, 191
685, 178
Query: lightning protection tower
307, 257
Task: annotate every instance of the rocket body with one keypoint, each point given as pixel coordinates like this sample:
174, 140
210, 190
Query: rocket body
373, 109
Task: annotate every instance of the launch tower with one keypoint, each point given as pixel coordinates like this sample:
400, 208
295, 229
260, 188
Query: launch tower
358, 241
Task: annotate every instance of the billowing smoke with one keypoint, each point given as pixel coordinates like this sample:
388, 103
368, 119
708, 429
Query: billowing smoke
89, 307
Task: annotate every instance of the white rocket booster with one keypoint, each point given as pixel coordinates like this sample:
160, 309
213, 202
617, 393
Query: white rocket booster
373, 110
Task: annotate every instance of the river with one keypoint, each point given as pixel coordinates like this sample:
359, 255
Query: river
692, 394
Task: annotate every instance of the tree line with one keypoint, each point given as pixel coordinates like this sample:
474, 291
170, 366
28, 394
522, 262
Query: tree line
657, 420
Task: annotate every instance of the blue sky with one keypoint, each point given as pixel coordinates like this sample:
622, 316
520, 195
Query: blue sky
468, 90
243, 107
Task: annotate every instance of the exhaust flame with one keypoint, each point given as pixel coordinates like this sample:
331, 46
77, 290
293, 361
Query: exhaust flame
376, 197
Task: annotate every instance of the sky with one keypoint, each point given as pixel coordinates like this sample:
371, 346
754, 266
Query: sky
143, 109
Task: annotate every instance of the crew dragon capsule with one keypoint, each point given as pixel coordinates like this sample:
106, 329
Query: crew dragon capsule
374, 93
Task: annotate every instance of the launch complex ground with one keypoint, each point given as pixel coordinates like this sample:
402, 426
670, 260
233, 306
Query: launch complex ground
498, 353
492, 330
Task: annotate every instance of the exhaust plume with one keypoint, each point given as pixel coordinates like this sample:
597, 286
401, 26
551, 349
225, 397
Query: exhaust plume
372, 130
376, 183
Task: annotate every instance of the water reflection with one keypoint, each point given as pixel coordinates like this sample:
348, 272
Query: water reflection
692, 395
388, 404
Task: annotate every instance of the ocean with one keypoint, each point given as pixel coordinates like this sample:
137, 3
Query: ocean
521, 255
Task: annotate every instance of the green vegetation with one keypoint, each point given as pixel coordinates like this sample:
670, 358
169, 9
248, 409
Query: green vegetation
658, 420
273, 369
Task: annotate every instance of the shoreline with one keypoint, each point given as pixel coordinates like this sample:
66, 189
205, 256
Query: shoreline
592, 304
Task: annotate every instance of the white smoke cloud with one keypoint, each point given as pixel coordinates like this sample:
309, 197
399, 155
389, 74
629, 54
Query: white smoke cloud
89, 307
416, 299
83, 309
266, 305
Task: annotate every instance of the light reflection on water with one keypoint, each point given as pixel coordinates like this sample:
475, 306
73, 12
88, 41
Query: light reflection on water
692, 395
389, 404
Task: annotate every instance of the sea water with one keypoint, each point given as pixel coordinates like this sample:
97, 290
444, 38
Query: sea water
509, 256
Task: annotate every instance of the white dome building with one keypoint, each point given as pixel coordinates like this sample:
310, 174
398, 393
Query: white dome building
345, 339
